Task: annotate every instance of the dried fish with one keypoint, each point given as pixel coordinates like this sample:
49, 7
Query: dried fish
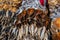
29, 20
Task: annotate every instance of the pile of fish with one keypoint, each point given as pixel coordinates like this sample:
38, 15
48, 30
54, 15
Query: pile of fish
27, 20
28, 25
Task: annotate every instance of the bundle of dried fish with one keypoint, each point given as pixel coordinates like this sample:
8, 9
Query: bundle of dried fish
32, 22
7, 27
56, 24
55, 28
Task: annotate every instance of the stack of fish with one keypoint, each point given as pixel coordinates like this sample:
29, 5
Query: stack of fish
34, 23
28, 20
